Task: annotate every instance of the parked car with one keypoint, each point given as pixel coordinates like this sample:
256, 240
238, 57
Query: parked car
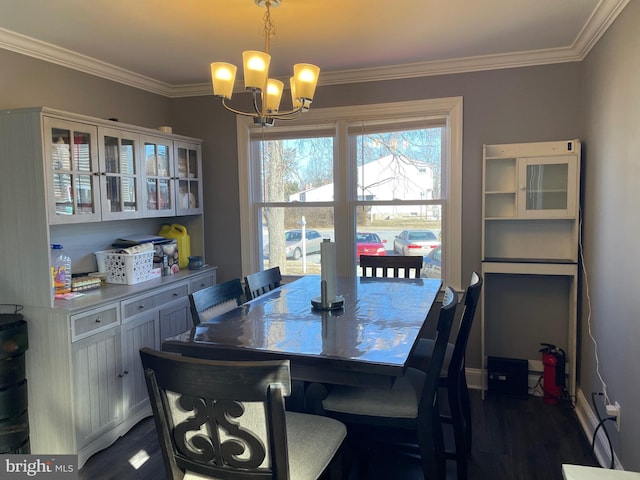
415, 242
432, 264
293, 243
369, 244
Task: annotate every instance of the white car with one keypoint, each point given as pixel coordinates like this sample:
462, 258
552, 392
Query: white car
293, 243
415, 242
293, 240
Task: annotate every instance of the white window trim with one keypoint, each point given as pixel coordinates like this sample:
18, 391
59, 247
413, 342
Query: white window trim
449, 108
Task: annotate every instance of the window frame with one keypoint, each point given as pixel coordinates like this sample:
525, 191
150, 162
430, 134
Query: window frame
449, 109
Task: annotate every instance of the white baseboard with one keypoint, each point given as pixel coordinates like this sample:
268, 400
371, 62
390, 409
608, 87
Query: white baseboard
589, 421
584, 411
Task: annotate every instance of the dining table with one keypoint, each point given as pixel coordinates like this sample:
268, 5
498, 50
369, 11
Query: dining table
367, 341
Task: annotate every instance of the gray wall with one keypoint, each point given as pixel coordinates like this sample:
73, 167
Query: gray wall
26, 82
612, 226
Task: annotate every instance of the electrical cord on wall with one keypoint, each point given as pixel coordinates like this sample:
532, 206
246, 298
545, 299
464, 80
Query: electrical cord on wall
586, 290
601, 421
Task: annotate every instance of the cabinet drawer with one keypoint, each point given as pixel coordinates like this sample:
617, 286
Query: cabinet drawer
88, 323
144, 303
201, 282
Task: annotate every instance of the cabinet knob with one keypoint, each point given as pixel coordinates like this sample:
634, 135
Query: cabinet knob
175, 294
126, 372
140, 307
98, 320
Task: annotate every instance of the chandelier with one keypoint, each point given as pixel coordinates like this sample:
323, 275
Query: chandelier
266, 92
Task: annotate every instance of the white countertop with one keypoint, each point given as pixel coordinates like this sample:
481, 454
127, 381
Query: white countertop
579, 472
114, 292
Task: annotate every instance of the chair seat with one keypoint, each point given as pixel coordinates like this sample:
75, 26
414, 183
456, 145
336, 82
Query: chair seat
421, 356
401, 401
313, 442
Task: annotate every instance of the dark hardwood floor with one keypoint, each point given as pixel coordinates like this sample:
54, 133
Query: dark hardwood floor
513, 439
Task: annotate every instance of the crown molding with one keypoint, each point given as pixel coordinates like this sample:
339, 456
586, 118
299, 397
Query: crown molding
599, 21
47, 52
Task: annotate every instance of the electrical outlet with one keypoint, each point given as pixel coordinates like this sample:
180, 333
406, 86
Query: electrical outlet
614, 411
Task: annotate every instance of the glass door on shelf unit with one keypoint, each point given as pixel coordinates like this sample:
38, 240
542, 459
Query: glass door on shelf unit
159, 182
73, 162
548, 186
189, 178
120, 175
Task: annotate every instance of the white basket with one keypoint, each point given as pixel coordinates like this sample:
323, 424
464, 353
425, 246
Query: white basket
125, 268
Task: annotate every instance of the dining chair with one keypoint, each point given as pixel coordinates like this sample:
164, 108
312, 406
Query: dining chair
226, 419
394, 266
407, 412
212, 301
453, 377
259, 283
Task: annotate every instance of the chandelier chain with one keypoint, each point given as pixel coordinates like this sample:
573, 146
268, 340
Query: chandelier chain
269, 28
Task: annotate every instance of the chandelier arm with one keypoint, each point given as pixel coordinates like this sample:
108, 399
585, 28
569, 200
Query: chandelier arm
286, 115
238, 112
257, 108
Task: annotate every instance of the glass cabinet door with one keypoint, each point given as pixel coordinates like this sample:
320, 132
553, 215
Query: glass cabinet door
120, 177
72, 158
159, 191
547, 187
188, 166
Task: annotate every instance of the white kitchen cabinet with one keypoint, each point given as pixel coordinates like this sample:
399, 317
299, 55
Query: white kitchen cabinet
80, 398
204, 280
170, 304
109, 396
137, 332
98, 170
160, 194
93, 172
173, 177
530, 227
110, 392
175, 318
188, 165
71, 163
97, 383
120, 174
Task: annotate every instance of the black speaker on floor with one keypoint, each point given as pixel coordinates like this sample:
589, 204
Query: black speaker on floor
508, 376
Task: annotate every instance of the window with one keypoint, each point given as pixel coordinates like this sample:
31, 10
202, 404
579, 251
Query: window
349, 174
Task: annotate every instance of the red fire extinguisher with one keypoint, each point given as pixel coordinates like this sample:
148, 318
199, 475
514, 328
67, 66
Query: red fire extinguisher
553, 381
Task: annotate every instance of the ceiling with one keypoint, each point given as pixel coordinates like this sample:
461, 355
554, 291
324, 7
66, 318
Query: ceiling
166, 46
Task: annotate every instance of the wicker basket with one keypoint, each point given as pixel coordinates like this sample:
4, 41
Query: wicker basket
125, 268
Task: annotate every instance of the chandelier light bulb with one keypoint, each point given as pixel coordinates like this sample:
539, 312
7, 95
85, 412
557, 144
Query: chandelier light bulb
223, 77
306, 78
274, 94
256, 69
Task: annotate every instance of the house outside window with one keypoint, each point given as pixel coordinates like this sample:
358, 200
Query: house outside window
346, 172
